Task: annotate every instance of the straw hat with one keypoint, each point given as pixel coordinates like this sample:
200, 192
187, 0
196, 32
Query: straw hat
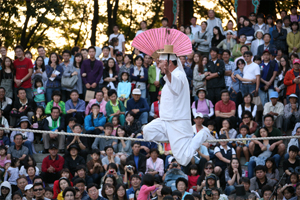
168, 49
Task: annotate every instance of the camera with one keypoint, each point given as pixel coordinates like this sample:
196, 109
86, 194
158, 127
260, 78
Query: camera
174, 165
208, 192
111, 171
24, 137
129, 167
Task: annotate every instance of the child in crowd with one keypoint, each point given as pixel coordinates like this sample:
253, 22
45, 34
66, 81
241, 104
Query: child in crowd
288, 192
105, 91
3, 156
4, 141
257, 59
116, 123
228, 131
292, 164
95, 169
189, 33
272, 171
211, 127
243, 145
56, 189
72, 122
246, 182
13, 170
49, 192
37, 122
147, 187
39, 93
124, 88
192, 178
294, 179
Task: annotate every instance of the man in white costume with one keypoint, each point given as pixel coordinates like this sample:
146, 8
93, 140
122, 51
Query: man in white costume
174, 124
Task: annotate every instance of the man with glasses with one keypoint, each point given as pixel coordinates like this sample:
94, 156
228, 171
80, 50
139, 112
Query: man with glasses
39, 191
251, 72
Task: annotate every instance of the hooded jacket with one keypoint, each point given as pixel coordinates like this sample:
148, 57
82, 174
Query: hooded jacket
6, 184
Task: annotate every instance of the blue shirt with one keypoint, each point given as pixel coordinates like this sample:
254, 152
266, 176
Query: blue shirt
80, 106
130, 191
150, 145
136, 160
237, 86
264, 73
141, 104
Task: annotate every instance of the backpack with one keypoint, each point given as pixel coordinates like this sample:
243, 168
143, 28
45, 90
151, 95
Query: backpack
207, 103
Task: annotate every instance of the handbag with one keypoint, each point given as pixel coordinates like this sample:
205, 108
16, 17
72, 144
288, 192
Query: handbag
69, 82
257, 102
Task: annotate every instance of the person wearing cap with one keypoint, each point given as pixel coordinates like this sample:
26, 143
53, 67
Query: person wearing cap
115, 107
292, 80
174, 124
27, 135
154, 76
225, 109
98, 99
139, 106
5, 190
52, 165
252, 18
279, 36
275, 108
29, 192
269, 69
266, 45
258, 35
23, 106
73, 159
228, 43
291, 112
155, 106
55, 123
215, 81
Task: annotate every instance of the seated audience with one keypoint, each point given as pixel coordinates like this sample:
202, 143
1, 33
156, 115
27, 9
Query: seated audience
73, 160
247, 120
75, 107
115, 107
110, 158
275, 108
155, 106
95, 121
56, 102
132, 125
18, 150
291, 113
82, 173
233, 174
99, 99
138, 158
247, 105
243, 146
95, 167
155, 165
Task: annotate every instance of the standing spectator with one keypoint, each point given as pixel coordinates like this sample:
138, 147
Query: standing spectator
199, 73
99, 95
260, 23
279, 36
74, 70
55, 123
42, 53
143, 25
128, 65
7, 76
138, 158
3, 52
154, 75
115, 107
268, 74
195, 28
248, 31
279, 86
235, 88
293, 39
139, 75
39, 71
270, 23
188, 70
217, 37
286, 24
66, 64
230, 28
258, 35
84, 53
138, 106
293, 15
121, 46
52, 165
266, 46
291, 113
227, 43
252, 18
24, 69
215, 80
54, 73
91, 71
237, 52
229, 68
225, 109
75, 107
110, 75
275, 108
5, 103
213, 21
292, 81
202, 40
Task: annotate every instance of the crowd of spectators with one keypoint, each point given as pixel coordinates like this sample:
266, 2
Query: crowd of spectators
244, 83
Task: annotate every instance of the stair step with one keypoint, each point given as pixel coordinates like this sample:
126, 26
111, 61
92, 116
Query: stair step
38, 147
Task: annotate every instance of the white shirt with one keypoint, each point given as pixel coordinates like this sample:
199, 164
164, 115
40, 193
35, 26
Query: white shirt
218, 149
251, 71
175, 97
157, 73
139, 32
121, 40
195, 29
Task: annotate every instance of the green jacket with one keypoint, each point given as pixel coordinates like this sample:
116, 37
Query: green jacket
50, 106
236, 52
152, 78
109, 109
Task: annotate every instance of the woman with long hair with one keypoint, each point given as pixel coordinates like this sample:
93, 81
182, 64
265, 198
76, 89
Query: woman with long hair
241, 22
120, 193
248, 31
278, 83
110, 74
7, 76
270, 23
232, 175
208, 169
39, 71
199, 72
128, 64
139, 75
217, 36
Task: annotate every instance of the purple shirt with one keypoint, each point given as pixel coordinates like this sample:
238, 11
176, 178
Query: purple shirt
202, 107
92, 76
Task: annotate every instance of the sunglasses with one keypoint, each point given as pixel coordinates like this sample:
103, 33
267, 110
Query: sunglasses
40, 189
208, 168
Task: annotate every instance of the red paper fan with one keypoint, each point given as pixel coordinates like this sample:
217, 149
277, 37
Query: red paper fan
153, 40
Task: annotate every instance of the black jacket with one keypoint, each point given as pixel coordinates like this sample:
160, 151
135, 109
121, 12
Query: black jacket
30, 106
261, 49
219, 67
142, 162
72, 164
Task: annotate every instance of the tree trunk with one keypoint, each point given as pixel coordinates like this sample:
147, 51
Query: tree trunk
95, 22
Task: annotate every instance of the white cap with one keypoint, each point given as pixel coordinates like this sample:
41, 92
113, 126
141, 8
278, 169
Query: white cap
198, 115
28, 187
137, 91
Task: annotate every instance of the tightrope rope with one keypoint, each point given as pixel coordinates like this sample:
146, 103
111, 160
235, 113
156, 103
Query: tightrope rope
142, 140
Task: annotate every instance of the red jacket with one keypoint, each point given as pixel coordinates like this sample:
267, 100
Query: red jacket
58, 163
288, 81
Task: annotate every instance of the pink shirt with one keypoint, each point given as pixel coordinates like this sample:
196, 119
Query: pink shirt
158, 165
93, 101
145, 192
